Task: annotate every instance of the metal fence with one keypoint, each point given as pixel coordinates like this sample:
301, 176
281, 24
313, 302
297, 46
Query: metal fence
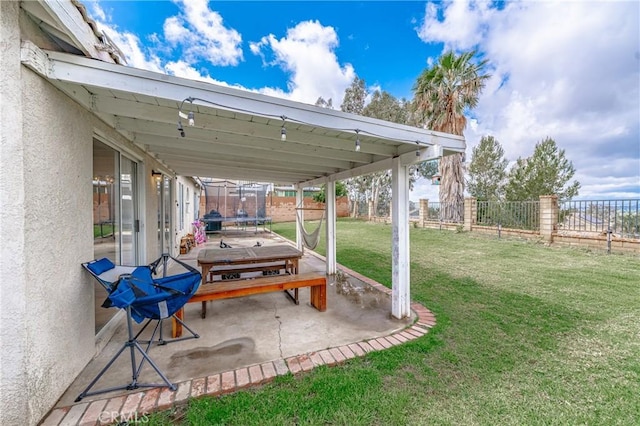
618, 217
445, 212
509, 214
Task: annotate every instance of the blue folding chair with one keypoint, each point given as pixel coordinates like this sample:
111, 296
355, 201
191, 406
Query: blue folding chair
143, 297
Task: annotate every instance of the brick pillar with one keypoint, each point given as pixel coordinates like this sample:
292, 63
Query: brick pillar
424, 211
548, 216
470, 213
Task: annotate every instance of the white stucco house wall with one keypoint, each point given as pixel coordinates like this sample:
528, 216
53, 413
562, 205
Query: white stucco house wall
47, 331
92, 165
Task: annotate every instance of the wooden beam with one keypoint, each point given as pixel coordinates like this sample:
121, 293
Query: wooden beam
400, 294
74, 69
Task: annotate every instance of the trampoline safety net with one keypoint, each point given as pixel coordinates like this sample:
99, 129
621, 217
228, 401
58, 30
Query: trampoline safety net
242, 203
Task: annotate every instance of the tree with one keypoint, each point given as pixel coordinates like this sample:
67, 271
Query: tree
442, 94
358, 190
426, 169
385, 106
354, 97
546, 172
321, 197
487, 170
324, 104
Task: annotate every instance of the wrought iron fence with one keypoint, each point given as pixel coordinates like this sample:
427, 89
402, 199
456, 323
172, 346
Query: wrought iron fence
618, 217
383, 209
509, 214
446, 212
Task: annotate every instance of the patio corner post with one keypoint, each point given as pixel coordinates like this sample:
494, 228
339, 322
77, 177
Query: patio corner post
400, 291
330, 214
299, 213
548, 216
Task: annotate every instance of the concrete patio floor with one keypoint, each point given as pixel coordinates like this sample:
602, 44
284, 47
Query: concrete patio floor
244, 341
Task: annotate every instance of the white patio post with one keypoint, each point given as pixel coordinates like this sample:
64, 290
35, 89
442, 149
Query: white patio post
330, 215
300, 214
401, 300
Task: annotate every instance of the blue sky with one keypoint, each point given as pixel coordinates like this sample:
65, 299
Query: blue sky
565, 70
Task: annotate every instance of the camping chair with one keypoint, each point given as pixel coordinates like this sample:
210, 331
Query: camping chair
143, 297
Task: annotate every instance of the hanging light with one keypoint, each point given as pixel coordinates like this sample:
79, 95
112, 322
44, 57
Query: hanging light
418, 150
190, 117
283, 130
357, 140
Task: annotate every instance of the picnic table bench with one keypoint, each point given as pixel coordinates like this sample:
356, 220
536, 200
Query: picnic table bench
230, 264
227, 289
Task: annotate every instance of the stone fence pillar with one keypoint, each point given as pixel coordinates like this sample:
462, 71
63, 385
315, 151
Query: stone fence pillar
548, 216
470, 212
424, 211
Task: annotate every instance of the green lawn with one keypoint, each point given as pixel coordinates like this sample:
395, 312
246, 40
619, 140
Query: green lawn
526, 334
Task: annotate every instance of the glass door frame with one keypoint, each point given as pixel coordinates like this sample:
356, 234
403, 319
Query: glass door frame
165, 218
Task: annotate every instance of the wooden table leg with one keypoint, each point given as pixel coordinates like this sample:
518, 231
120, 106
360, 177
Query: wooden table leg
176, 327
319, 297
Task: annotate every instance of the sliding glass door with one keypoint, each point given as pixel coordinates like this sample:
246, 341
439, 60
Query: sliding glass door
115, 215
129, 224
163, 192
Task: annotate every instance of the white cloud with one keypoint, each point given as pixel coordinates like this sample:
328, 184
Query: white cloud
201, 33
97, 11
135, 55
424, 190
307, 53
153, 55
183, 69
475, 15
565, 70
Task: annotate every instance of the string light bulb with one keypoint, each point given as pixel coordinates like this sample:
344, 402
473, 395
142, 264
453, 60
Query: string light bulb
357, 140
190, 117
283, 130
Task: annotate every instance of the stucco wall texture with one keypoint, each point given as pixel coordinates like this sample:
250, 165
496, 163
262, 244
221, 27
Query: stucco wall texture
58, 162
47, 331
13, 395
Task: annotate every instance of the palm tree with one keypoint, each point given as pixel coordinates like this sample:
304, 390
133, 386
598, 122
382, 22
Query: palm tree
442, 94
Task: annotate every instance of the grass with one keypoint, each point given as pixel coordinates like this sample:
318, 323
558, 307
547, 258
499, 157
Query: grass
101, 231
526, 334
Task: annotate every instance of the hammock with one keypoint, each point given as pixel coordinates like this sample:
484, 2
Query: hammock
309, 239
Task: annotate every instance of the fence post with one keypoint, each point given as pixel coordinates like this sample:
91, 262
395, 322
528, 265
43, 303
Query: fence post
470, 212
548, 216
424, 211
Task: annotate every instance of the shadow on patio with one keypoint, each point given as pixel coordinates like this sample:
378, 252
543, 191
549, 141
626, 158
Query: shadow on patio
244, 341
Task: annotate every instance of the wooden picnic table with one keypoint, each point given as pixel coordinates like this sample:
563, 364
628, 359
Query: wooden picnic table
226, 259
231, 263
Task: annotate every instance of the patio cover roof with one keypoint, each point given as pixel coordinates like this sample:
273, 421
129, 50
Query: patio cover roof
237, 133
